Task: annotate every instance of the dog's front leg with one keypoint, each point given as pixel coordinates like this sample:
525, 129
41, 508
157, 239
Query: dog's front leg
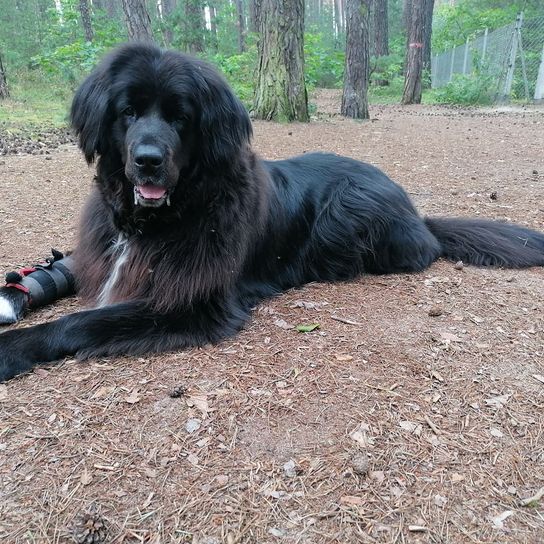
128, 328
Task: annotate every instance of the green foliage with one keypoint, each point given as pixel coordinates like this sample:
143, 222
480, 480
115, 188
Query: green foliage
388, 94
238, 70
453, 24
386, 67
37, 99
324, 66
476, 89
65, 53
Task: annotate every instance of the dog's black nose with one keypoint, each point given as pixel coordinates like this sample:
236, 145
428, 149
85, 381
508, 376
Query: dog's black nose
148, 157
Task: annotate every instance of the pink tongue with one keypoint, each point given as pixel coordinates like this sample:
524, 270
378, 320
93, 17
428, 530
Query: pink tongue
151, 191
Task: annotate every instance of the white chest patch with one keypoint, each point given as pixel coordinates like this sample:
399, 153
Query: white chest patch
121, 251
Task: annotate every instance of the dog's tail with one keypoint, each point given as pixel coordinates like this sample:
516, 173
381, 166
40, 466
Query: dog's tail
482, 242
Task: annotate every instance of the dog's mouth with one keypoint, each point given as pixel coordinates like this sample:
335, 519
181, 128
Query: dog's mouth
151, 196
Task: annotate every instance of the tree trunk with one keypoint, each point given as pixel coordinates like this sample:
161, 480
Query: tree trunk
357, 70
109, 6
193, 38
4, 91
280, 94
241, 26
86, 20
427, 34
414, 56
381, 33
254, 15
381, 27
168, 7
214, 42
137, 20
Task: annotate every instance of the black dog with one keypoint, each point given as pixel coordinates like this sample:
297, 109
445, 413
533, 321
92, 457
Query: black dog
186, 229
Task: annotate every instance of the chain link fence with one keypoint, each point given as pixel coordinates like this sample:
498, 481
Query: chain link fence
510, 57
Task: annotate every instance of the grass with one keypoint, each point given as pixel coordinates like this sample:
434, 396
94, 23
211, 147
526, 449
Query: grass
36, 100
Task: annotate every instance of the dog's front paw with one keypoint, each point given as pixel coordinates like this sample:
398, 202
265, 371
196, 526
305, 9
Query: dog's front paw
14, 358
13, 304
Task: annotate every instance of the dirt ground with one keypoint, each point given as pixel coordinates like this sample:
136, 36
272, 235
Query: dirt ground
414, 413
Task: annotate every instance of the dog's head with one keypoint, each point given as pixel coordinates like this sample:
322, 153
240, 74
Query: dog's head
158, 114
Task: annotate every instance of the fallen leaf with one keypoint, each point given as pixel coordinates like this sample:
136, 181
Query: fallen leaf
148, 500
291, 469
534, 500
200, 402
86, 477
498, 520
340, 357
306, 305
377, 475
192, 425
308, 328
193, 459
455, 477
498, 402
103, 392
352, 500
449, 337
440, 501
411, 427
221, 480
282, 324
496, 432
150, 472
279, 533
134, 397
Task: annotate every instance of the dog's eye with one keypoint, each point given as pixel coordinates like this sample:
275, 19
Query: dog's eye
129, 111
179, 118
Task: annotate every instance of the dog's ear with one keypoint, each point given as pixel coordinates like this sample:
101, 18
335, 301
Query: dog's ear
89, 111
224, 122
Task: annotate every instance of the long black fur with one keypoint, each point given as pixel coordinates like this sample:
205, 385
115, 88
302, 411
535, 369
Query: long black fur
238, 229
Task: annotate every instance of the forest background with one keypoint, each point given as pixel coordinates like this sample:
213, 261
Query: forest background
48, 46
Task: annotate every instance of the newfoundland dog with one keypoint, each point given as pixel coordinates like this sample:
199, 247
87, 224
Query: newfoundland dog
187, 229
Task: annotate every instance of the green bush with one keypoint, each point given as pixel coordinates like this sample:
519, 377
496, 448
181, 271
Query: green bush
476, 89
239, 70
323, 65
65, 52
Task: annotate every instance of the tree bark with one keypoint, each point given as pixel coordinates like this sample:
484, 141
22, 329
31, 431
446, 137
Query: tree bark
110, 6
193, 27
137, 20
414, 56
85, 12
4, 91
213, 25
381, 33
427, 33
241, 26
281, 94
254, 15
381, 27
357, 70
168, 7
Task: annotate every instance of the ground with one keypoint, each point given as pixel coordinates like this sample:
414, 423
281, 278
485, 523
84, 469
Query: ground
414, 413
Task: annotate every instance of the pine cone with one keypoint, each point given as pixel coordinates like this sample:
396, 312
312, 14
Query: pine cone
89, 528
